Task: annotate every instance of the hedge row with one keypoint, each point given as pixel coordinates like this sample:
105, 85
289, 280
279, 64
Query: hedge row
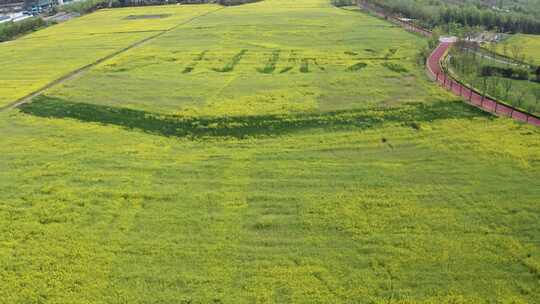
11, 30
85, 7
507, 72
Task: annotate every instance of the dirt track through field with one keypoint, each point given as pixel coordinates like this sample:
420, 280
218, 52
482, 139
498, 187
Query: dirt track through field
85, 68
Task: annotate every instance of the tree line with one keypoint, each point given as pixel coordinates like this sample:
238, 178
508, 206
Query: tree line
443, 14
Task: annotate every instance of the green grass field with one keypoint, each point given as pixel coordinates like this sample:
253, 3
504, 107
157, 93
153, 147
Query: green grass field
277, 152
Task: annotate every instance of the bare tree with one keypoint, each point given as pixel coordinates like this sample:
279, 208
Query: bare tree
520, 98
485, 85
507, 86
516, 50
505, 48
492, 47
475, 48
495, 86
536, 93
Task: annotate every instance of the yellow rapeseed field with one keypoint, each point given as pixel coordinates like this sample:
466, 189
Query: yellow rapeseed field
277, 152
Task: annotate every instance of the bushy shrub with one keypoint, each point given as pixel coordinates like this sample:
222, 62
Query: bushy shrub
515, 73
521, 74
489, 70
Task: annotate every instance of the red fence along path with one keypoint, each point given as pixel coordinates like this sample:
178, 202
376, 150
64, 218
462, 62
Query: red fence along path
433, 66
470, 95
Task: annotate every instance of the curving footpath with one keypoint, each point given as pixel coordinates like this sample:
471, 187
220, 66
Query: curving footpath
435, 71
470, 95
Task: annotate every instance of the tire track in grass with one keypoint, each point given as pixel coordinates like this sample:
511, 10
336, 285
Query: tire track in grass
84, 69
224, 87
220, 207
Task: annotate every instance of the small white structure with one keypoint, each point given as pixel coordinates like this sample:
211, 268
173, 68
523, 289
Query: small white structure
448, 39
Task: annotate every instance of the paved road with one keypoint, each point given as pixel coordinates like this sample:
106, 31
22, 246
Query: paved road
471, 96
